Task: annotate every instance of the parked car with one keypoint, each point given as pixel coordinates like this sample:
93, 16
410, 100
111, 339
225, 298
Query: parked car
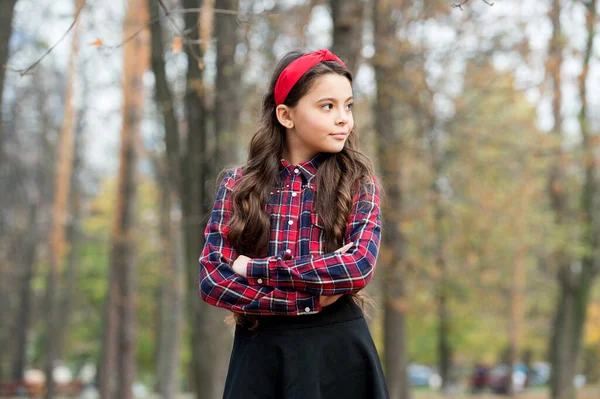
498, 379
423, 376
479, 379
540, 374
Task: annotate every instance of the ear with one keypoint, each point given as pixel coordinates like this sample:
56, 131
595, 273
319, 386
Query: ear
284, 116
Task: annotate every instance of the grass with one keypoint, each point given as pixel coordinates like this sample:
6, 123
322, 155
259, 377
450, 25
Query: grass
592, 392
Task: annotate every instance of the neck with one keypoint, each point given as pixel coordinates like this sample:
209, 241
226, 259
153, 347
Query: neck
295, 155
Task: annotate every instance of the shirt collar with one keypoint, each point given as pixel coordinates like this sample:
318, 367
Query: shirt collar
308, 169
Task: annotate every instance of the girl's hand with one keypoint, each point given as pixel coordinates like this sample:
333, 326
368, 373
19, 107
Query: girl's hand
325, 300
240, 265
344, 248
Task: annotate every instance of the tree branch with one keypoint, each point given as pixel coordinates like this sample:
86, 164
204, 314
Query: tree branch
168, 14
163, 7
25, 71
462, 3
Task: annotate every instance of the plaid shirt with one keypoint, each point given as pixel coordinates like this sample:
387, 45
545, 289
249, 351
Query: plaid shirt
297, 270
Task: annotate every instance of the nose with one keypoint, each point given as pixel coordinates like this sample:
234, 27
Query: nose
342, 118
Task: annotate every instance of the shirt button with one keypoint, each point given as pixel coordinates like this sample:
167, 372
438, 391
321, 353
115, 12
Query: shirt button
291, 222
307, 309
294, 194
259, 281
296, 170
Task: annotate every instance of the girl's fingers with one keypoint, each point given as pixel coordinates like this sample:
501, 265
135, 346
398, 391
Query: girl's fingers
344, 248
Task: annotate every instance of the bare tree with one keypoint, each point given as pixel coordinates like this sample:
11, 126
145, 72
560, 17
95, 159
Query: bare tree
171, 294
575, 276
118, 365
347, 30
194, 206
6, 12
28, 185
59, 213
74, 235
170, 320
6, 16
228, 81
385, 62
189, 171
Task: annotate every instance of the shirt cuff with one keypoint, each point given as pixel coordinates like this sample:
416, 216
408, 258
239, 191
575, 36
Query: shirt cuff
257, 271
310, 305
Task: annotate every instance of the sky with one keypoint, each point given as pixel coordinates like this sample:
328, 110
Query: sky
47, 20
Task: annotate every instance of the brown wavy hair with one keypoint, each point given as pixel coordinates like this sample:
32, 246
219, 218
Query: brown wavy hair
338, 176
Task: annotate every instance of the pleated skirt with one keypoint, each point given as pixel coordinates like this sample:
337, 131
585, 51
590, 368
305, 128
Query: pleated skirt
329, 355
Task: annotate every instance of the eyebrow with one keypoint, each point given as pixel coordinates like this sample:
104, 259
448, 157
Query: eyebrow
333, 99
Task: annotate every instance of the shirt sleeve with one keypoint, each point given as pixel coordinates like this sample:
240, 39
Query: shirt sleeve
331, 273
220, 286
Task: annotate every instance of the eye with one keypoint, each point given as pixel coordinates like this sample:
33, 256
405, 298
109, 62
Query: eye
349, 106
327, 106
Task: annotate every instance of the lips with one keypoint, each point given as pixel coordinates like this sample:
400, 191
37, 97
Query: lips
339, 135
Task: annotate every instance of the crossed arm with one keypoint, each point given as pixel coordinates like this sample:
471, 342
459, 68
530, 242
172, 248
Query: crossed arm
273, 285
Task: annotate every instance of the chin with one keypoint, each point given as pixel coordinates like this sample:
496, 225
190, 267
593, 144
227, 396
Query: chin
333, 149
333, 146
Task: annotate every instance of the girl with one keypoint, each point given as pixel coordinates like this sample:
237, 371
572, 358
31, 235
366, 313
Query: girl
293, 236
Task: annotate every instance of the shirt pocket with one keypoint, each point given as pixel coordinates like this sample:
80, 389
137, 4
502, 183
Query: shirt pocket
317, 234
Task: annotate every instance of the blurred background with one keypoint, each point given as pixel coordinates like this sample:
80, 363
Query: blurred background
482, 120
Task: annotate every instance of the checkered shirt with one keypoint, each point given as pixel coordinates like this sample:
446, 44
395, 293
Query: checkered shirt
297, 270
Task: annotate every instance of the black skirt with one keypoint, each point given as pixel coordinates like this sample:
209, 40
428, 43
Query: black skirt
329, 355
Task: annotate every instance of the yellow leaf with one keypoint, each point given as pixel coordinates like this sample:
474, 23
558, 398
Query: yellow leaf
177, 44
97, 42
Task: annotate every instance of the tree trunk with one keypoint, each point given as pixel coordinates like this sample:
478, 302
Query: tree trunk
347, 31
171, 290
118, 367
59, 213
73, 238
568, 329
561, 371
392, 248
170, 296
170, 303
6, 13
590, 200
444, 348
6, 16
24, 314
37, 201
227, 101
207, 363
164, 98
575, 278
437, 155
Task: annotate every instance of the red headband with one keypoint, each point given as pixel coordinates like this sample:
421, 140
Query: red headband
293, 72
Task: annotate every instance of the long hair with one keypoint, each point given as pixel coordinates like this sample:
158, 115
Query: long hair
338, 176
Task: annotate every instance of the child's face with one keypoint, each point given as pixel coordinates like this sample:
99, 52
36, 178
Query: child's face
322, 119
